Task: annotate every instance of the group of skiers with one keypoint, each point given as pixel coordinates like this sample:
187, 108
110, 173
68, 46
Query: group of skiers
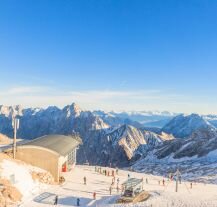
111, 173
114, 180
172, 177
106, 172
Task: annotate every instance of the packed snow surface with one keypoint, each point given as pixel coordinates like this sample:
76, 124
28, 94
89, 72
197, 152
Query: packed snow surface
201, 195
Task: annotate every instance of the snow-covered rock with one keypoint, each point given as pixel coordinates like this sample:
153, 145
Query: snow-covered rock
183, 126
35, 122
114, 119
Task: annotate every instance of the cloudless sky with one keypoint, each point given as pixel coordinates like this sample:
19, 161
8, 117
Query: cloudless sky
110, 54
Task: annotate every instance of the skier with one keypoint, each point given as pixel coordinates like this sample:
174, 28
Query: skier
110, 190
171, 176
128, 176
78, 201
118, 181
191, 185
112, 182
163, 182
56, 200
85, 180
94, 195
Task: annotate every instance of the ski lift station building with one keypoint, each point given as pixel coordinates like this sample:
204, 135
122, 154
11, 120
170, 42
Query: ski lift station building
54, 153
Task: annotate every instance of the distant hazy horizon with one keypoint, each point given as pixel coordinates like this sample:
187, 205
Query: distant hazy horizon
84, 108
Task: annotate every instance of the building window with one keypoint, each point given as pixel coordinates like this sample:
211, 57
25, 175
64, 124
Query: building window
72, 157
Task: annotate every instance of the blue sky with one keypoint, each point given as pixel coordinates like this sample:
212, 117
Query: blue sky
111, 54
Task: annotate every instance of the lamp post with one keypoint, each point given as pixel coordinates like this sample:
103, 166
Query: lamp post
177, 179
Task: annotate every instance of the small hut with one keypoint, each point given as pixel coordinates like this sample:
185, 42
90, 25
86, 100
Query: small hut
132, 187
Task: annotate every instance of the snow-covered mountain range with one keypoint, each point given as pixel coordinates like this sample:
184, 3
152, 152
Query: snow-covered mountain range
183, 126
118, 138
148, 119
141, 118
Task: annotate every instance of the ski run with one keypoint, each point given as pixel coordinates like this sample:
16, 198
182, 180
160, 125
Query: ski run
200, 195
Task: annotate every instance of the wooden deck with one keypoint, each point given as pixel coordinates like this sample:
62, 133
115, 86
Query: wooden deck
138, 198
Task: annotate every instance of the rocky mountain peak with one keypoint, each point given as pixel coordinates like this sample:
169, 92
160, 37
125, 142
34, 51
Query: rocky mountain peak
183, 126
73, 110
10, 111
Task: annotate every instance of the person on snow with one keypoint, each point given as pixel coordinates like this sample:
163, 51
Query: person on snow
171, 176
163, 182
94, 195
113, 181
85, 180
56, 200
110, 190
78, 201
146, 180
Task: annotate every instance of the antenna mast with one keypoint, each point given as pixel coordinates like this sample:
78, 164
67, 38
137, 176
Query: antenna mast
15, 124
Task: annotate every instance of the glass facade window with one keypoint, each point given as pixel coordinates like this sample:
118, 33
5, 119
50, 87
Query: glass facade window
72, 157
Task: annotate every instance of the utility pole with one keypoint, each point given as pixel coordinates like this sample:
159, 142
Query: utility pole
15, 124
177, 179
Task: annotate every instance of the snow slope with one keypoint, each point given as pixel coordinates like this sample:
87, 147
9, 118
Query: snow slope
161, 196
23, 180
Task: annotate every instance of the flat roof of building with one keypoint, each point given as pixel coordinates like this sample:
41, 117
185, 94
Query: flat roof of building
132, 182
59, 143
